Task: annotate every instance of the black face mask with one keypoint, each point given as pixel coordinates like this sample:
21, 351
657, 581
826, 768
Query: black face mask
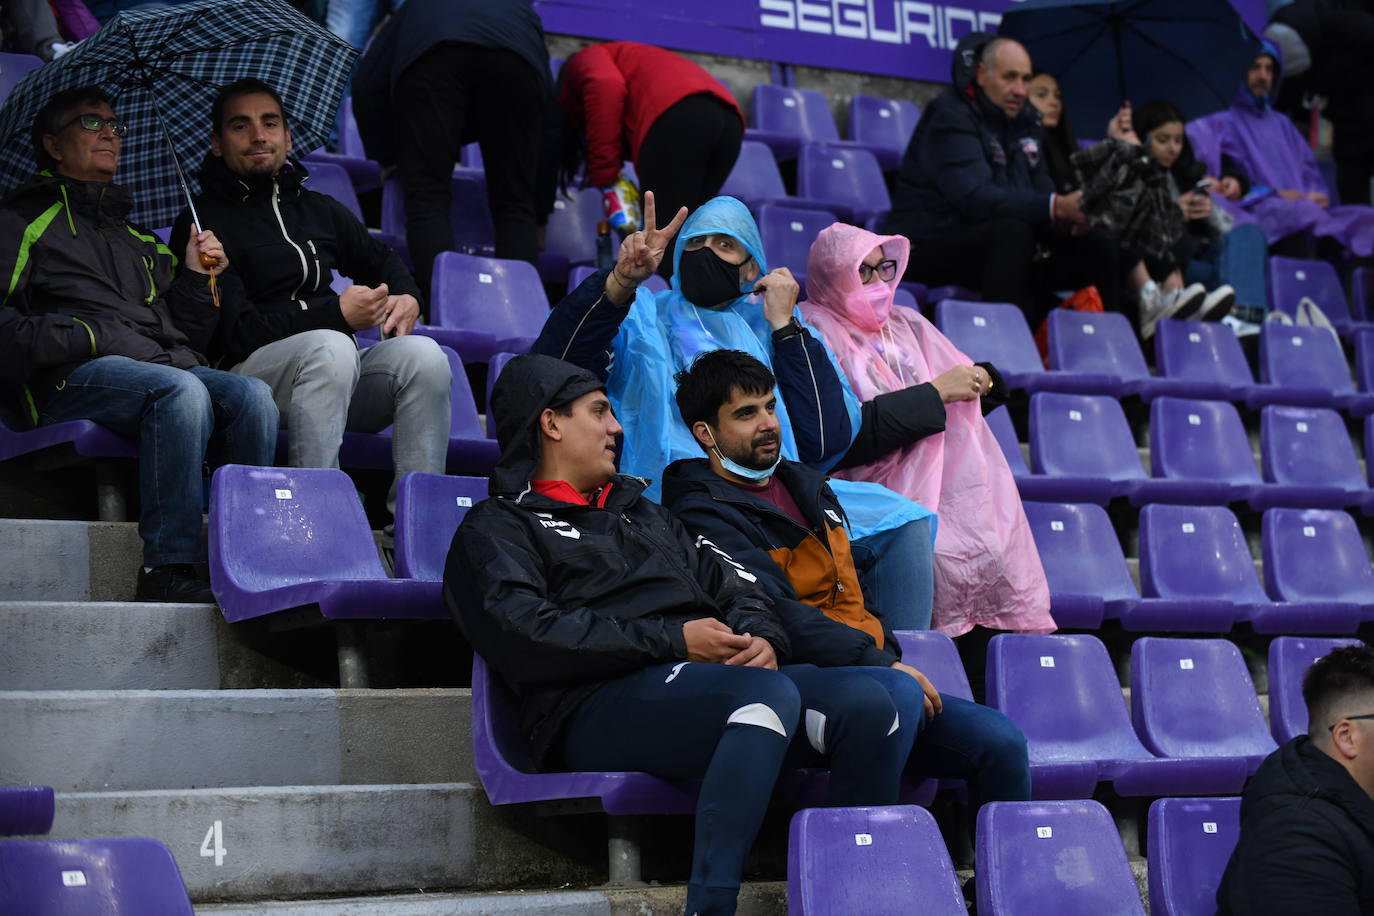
708, 281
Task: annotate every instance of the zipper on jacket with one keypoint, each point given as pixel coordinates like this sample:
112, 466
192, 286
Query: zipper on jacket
281, 224
314, 259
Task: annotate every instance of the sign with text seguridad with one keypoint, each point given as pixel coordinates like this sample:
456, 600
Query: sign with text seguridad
911, 39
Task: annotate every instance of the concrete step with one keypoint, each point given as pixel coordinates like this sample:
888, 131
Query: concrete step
761, 898
239, 844
107, 740
68, 561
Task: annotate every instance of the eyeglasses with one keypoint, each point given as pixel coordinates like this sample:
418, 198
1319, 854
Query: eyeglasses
1332, 726
95, 124
885, 270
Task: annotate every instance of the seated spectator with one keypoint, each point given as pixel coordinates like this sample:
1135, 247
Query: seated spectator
987, 570
1288, 195
99, 326
290, 329
680, 127
634, 646
1307, 817
1217, 251
1059, 140
443, 73
35, 29
781, 521
975, 196
639, 340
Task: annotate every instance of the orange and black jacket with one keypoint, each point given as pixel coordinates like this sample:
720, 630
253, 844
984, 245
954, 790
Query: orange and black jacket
807, 570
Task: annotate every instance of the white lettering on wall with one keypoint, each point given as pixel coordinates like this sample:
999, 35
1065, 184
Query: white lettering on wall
886, 21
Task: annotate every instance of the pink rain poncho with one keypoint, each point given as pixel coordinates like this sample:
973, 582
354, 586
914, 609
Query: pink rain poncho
987, 569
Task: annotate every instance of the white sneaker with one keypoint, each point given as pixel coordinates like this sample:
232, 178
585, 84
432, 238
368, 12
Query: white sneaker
1189, 300
1242, 328
1155, 304
1217, 304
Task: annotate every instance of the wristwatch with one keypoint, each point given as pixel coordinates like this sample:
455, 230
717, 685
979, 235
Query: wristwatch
791, 329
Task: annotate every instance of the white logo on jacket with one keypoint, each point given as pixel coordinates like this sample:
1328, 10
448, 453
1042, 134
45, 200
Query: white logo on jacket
559, 526
743, 573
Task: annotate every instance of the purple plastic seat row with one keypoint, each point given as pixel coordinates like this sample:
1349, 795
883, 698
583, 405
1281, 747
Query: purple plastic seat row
869, 860
756, 180
116, 877
848, 181
1060, 857
784, 118
1190, 842
570, 236
1309, 365
997, 332
469, 213
86, 437
429, 508
364, 173
479, 305
1291, 280
25, 810
1085, 736
1289, 659
787, 234
1103, 346
885, 126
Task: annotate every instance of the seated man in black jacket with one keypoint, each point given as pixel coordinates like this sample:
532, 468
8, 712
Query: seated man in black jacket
1307, 817
788, 529
97, 326
975, 197
292, 331
634, 646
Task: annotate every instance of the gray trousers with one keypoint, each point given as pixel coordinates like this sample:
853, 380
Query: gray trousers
323, 385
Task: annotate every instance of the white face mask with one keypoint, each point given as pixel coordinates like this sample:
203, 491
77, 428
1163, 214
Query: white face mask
739, 470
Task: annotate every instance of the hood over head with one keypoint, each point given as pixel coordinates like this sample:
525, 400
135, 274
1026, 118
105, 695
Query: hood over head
529, 384
832, 273
1243, 94
721, 216
963, 66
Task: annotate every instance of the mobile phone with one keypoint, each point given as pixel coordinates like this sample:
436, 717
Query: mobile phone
1202, 186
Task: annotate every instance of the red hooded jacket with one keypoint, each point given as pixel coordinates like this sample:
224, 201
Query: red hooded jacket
616, 91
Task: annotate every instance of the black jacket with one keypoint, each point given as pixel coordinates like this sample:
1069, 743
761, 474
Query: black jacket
1306, 840
968, 163
283, 240
754, 531
81, 282
560, 598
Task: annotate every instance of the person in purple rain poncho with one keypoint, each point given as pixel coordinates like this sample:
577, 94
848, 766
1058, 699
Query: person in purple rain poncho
1287, 193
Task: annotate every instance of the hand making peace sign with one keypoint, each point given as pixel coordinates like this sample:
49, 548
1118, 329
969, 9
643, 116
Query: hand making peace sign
641, 252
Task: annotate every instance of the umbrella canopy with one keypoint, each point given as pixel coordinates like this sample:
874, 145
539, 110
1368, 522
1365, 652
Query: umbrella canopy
1192, 52
164, 67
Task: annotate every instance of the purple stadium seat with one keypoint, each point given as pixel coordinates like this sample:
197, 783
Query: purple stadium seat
1200, 453
576, 276
468, 210
494, 306
570, 237
1362, 293
1364, 360
1060, 857
1103, 345
1309, 460
997, 332
884, 126
1085, 444
25, 810
494, 366
869, 860
1291, 280
1028, 485
847, 181
362, 171
756, 180
1088, 577
13, 68
788, 233
86, 437
1309, 364
332, 179
469, 449
1190, 842
1317, 557
505, 763
1194, 698
1084, 735
1205, 354
428, 510
934, 655
1289, 659
283, 538
1198, 555
118, 877
903, 296
785, 118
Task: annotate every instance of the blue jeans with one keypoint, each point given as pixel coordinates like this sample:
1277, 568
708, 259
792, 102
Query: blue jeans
1236, 258
180, 418
966, 740
897, 571
354, 20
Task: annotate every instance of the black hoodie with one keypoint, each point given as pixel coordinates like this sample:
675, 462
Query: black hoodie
560, 598
1306, 840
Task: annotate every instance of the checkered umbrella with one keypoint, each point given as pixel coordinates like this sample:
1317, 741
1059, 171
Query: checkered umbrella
162, 69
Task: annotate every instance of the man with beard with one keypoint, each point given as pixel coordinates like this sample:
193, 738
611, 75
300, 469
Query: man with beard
780, 520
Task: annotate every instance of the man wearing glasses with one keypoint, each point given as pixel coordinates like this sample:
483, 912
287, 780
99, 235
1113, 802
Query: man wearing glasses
1307, 818
98, 324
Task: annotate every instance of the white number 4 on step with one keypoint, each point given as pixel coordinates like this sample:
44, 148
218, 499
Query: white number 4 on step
212, 847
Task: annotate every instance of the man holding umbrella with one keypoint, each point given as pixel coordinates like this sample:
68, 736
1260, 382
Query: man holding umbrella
97, 324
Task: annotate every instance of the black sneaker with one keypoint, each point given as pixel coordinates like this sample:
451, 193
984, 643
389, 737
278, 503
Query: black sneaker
176, 582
